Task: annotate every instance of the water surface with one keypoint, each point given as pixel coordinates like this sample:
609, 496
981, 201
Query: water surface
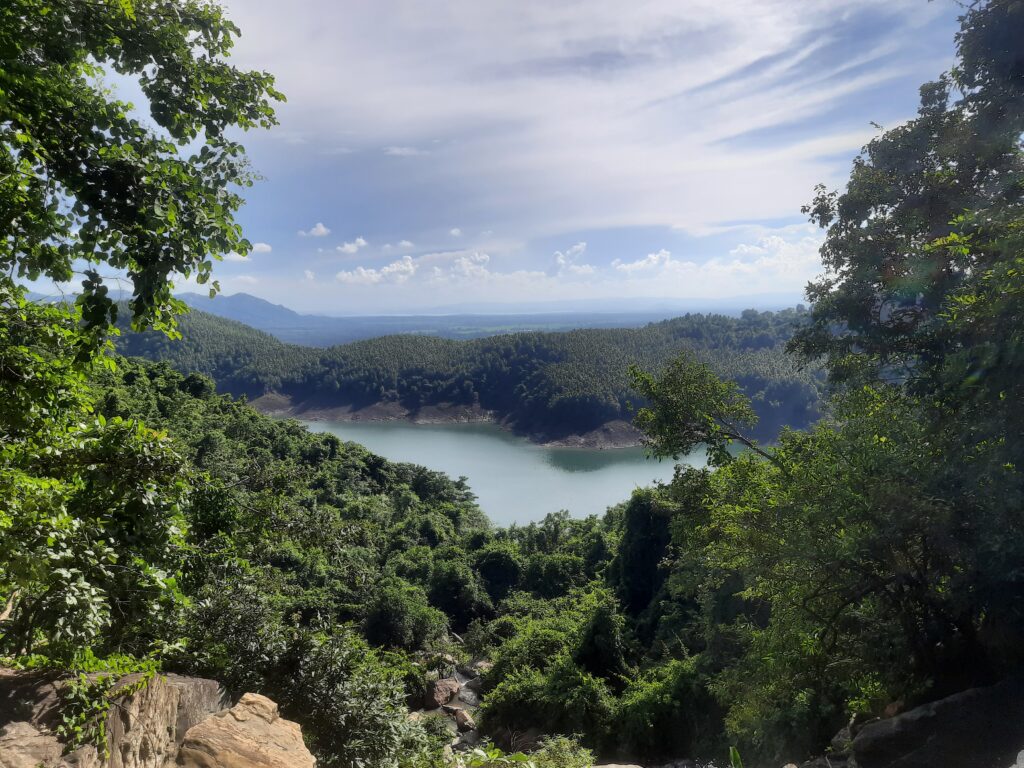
515, 480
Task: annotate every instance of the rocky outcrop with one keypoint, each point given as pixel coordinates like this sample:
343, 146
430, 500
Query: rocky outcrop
980, 728
22, 746
251, 734
169, 722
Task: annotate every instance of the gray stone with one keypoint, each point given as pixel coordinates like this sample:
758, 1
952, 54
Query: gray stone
980, 728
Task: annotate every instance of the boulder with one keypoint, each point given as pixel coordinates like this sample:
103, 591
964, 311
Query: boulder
440, 692
249, 735
22, 746
464, 721
467, 741
980, 728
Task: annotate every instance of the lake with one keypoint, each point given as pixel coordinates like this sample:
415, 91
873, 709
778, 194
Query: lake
515, 480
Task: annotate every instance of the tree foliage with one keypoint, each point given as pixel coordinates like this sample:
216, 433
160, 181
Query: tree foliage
86, 183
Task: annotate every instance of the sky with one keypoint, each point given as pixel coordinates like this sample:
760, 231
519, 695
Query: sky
507, 153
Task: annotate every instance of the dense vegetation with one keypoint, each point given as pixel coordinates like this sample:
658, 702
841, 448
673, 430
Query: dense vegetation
759, 602
546, 384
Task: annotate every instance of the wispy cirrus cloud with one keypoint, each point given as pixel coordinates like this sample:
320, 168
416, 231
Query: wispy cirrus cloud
559, 123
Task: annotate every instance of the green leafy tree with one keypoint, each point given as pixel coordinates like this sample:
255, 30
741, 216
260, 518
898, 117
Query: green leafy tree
92, 526
85, 182
690, 406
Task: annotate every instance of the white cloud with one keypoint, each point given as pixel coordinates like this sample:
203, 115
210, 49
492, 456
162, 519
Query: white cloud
245, 279
650, 263
308, 274
471, 265
317, 230
567, 263
395, 272
404, 151
256, 248
352, 247
559, 117
455, 232
405, 244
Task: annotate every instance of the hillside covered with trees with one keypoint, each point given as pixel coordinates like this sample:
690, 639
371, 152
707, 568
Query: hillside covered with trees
548, 385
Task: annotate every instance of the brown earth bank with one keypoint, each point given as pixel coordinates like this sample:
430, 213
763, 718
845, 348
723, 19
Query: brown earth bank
614, 434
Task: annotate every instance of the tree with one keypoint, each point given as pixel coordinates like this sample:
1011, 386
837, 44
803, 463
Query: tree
84, 181
91, 519
930, 217
690, 406
91, 525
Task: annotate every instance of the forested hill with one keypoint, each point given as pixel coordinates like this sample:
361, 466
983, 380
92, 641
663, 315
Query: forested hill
548, 385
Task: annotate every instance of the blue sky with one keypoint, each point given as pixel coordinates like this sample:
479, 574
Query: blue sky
510, 151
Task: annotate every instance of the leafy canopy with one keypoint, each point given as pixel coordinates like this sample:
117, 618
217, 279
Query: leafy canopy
85, 183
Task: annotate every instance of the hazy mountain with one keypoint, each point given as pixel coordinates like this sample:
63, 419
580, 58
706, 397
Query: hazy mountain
464, 322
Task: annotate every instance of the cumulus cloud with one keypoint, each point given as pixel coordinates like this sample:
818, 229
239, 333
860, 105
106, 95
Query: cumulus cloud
261, 248
317, 230
653, 262
309, 275
405, 244
455, 232
352, 247
471, 265
567, 262
395, 272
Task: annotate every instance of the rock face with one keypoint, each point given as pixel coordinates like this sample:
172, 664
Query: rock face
980, 728
171, 721
146, 728
249, 735
440, 692
22, 746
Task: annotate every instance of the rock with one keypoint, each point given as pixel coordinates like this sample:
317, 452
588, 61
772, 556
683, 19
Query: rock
469, 697
482, 666
840, 744
22, 746
144, 728
467, 741
440, 692
980, 728
249, 735
476, 685
464, 721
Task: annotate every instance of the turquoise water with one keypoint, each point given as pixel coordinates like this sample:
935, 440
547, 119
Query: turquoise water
514, 480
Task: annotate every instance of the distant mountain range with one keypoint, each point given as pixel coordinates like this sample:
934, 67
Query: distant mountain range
463, 322
323, 331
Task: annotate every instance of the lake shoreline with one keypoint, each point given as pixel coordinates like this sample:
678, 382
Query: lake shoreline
612, 435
